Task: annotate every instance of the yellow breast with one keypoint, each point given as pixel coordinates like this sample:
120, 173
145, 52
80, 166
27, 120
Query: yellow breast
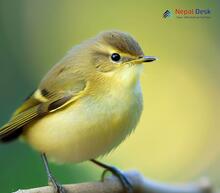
90, 127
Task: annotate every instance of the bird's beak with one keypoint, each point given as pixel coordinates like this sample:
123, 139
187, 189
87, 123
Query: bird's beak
144, 59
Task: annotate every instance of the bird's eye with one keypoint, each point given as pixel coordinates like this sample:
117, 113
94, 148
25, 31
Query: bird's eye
115, 57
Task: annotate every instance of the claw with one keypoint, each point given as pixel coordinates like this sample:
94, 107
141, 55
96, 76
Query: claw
118, 173
123, 179
56, 186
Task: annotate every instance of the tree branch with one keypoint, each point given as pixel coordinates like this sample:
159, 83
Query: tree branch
139, 183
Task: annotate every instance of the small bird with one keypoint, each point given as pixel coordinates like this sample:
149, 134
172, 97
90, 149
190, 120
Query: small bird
86, 105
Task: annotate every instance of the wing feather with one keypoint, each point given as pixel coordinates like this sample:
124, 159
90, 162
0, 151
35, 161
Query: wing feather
38, 105
18, 121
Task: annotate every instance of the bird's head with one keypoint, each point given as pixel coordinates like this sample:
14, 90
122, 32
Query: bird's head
112, 53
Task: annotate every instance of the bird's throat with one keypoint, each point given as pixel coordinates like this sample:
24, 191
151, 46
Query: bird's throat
129, 76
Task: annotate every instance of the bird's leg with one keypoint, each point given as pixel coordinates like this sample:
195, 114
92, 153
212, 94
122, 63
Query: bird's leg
51, 180
115, 171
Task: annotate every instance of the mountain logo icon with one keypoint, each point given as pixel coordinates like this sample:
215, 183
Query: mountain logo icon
167, 14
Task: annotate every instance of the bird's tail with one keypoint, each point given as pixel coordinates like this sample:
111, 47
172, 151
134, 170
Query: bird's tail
14, 127
10, 135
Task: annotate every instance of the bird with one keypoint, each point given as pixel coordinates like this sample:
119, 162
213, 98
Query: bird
86, 105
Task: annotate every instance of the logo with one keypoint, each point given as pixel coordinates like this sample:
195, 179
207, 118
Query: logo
188, 13
167, 14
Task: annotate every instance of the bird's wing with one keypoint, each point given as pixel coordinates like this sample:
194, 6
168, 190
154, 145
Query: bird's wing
47, 99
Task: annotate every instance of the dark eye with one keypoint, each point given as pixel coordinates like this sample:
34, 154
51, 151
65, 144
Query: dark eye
115, 57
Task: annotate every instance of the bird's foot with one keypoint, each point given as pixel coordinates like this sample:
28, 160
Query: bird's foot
56, 186
120, 175
116, 172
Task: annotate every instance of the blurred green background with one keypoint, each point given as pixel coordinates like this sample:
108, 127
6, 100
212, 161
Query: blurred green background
177, 139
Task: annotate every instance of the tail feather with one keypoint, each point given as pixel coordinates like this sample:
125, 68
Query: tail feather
11, 136
14, 127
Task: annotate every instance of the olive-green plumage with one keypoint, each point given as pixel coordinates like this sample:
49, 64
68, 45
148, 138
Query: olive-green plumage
87, 103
